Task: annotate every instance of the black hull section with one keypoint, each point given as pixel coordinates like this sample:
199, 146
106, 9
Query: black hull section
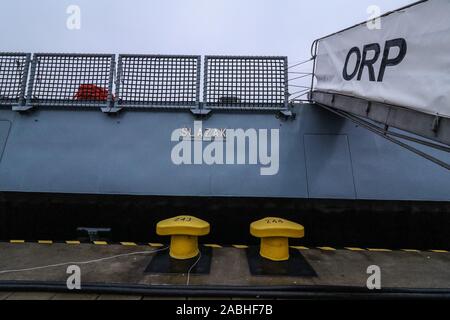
339, 223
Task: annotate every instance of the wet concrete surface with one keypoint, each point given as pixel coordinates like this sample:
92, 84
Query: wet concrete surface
399, 269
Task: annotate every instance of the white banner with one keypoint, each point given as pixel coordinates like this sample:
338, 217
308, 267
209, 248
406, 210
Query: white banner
406, 62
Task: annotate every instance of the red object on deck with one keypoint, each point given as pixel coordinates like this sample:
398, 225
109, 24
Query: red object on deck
91, 92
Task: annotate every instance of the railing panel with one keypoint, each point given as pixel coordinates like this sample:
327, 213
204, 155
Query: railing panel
13, 77
251, 83
80, 80
162, 81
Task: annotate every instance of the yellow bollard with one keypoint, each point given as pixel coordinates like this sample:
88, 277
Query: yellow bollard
275, 234
184, 232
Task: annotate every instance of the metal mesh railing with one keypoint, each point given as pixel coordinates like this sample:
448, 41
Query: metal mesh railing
158, 81
13, 77
71, 80
245, 82
147, 81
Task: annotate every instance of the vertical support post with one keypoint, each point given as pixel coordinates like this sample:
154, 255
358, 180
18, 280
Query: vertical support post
286, 112
23, 87
286, 84
205, 81
200, 110
111, 79
26, 104
112, 106
199, 71
314, 57
31, 81
119, 77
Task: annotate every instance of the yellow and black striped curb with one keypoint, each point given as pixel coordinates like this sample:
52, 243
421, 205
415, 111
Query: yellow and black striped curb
216, 246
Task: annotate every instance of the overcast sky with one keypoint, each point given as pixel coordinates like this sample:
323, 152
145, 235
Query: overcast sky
241, 27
